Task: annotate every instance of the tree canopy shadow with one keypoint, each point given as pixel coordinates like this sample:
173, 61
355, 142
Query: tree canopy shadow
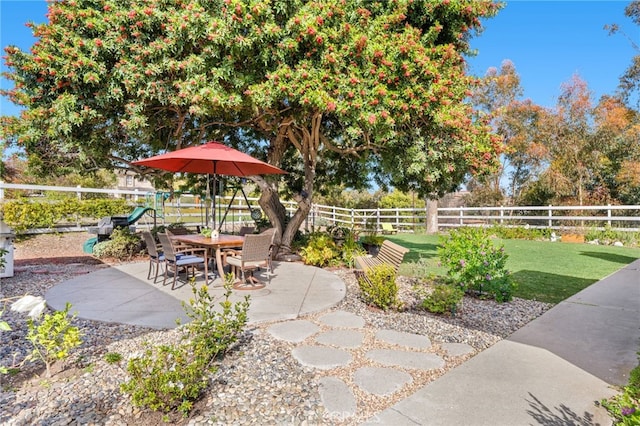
419, 250
610, 257
557, 416
537, 285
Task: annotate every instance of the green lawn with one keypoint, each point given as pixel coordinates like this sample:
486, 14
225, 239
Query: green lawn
545, 271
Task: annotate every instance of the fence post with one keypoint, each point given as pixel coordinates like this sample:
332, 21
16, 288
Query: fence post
550, 214
353, 219
135, 196
461, 216
609, 214
377, 219
1, 190
79, 194
501, 215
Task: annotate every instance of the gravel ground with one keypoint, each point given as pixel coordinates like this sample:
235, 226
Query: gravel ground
258, 383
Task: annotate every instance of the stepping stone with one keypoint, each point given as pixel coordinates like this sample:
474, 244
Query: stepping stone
409, 340
457, 349
338, 400
406, 359
293, 331
381, 381
342, 319
342, 338
321, 357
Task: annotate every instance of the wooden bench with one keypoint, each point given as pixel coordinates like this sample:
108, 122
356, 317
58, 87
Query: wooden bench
390, 254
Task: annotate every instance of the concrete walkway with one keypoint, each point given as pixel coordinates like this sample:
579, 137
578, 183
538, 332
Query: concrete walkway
549, 372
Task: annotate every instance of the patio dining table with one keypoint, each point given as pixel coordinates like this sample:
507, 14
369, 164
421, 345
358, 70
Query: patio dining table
213, 244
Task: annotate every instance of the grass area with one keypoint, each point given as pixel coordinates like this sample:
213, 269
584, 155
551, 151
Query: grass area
545, 271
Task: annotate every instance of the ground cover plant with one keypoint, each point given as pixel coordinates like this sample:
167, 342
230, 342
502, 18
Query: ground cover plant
545, 271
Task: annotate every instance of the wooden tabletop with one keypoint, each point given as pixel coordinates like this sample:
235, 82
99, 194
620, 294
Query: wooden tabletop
223, 240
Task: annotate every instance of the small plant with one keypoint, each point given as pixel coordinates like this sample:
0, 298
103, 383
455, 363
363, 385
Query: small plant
476, 264
123, 245
350, 249
52, 337
167, 378
379, 287
443, 299
206, 232
113, 357
320, 250
625, 407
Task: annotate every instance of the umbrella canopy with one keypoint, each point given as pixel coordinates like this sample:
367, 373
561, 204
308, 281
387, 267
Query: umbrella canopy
211, 158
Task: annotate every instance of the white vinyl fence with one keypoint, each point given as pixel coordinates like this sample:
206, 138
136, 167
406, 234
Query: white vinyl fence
191, 210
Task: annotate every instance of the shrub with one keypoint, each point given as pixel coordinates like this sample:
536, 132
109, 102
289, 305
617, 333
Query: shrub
123, 245
379, 287
320, 250
608, 236
350, 249
476, 264
521, 233
52, 337
28, 214
443, 299
168, 378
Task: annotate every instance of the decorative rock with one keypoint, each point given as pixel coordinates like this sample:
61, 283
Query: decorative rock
342, 338
381, 381
618, 244
293, 331
321, 357
342, 319
457, 349
418, 360
337, 398
409, 340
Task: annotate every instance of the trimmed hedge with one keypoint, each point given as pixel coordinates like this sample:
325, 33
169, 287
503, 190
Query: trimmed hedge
22, 215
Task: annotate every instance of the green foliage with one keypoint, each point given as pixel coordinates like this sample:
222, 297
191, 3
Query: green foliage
25, 214
212, 332
350, 249
608, 236
113, 357
476, 264
122, 244
444, 298
520, 233
52, 337
320, 250
167, 378
379, 287
625, 406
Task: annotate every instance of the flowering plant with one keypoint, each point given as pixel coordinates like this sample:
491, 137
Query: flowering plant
476, 264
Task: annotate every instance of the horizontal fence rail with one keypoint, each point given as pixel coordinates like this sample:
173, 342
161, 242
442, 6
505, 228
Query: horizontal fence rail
191, 210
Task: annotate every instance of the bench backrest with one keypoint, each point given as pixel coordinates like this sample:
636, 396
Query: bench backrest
387, 227
391, 253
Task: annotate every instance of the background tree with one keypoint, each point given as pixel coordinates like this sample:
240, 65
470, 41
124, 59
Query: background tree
630, 80
356, 83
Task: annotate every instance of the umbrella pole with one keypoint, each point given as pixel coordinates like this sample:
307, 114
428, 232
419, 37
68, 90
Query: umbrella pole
213, 198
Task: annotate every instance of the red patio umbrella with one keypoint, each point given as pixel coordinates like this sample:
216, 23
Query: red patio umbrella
211, 158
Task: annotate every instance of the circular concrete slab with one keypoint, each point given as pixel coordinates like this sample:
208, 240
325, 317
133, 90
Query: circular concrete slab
342, 319
341, 338
409, 340
457, 349
337, 399
417, 360
293, 331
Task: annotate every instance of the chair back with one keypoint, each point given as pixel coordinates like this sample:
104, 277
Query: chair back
256, 247
246, 230
167, 247
150, 242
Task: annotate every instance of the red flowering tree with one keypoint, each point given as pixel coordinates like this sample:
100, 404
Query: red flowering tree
306, 82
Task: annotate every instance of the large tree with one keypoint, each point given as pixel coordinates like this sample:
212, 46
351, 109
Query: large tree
353, 84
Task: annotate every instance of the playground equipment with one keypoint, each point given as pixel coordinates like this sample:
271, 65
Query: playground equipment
107, 224
256, 214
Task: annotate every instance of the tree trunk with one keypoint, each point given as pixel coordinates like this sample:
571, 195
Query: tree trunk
432, 216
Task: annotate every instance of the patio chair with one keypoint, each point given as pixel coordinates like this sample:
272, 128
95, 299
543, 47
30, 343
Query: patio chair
156, 257
175, 259
244, 230
254, 254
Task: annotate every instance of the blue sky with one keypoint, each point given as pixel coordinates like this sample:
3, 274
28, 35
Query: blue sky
548, 41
